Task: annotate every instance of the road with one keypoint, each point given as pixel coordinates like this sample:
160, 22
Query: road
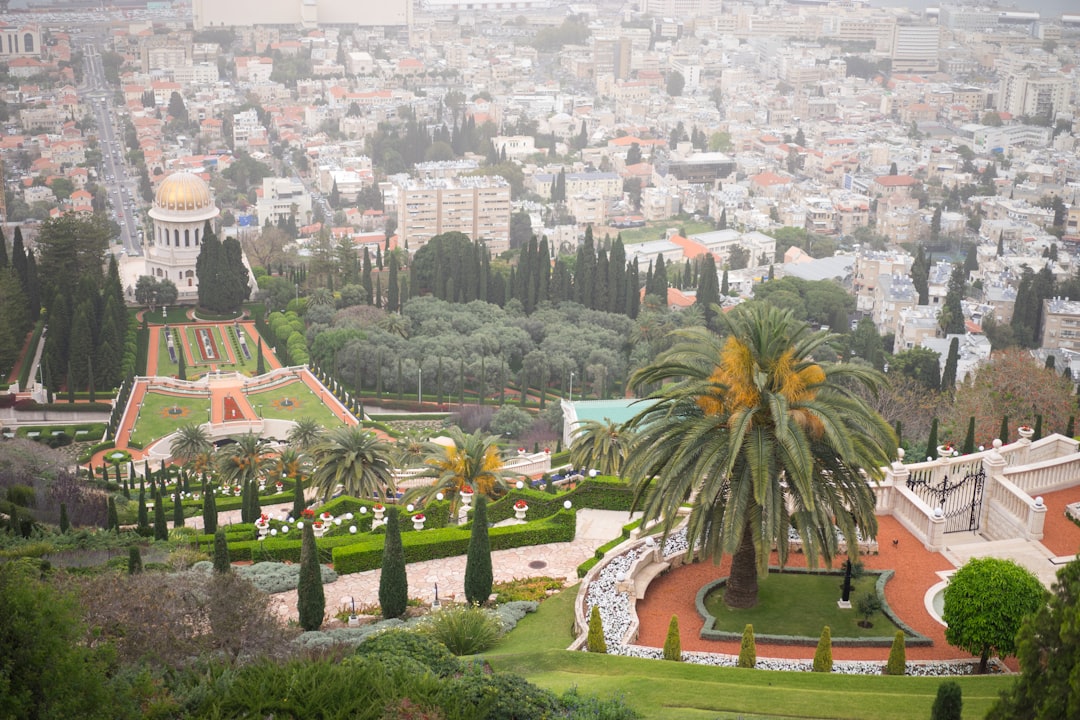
114, 174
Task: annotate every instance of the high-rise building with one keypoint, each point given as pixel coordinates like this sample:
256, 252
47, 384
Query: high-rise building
915, 48
1032, 92
478, 206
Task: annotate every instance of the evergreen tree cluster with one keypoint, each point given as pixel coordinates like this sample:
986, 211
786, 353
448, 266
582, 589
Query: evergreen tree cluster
19, 297
86, 342
223, 279
453, 268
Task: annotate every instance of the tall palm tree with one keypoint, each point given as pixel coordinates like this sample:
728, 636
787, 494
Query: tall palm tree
410, 449
473, 460
290, 463
246, 460
758, 437
191, 443
355, 458
601, 445
305, 433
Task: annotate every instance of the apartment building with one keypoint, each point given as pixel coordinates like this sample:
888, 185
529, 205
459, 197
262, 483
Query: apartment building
282, 198
1061, 324
477, 206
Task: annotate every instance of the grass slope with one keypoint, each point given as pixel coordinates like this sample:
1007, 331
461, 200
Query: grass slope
662, 690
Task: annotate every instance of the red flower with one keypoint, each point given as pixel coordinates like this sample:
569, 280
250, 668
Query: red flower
308, 513
378, 506
521, 505
418, 517
467, 490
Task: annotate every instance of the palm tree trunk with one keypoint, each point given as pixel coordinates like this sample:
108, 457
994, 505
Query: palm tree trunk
742, 584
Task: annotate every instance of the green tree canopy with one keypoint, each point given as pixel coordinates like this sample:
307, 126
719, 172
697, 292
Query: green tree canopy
732, 417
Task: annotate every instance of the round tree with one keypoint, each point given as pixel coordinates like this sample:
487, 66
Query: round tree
985, 602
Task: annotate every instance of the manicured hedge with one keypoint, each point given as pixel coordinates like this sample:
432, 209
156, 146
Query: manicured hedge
90, 451
600, 493
451, 541
603, 550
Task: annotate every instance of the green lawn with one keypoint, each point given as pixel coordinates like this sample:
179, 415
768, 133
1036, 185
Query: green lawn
662, 690
223, 337
655, 230
801, 604
305, 404
156, 421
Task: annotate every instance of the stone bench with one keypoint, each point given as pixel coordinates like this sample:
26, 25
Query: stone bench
646, 576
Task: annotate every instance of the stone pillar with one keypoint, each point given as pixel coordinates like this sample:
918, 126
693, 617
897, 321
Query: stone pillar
994, 467
896, 475
1036, 520
935, 536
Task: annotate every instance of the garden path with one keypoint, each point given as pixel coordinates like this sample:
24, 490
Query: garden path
558, 560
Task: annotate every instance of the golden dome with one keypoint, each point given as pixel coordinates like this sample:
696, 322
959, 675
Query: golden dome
183, 191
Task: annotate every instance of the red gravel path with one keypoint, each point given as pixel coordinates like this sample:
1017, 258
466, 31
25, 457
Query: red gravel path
916, 571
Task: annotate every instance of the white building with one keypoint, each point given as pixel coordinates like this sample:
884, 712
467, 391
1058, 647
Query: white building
182, 206
282, 198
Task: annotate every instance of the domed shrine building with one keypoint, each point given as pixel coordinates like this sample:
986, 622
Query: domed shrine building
182, 205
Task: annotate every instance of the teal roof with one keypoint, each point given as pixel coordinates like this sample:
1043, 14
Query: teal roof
618, 411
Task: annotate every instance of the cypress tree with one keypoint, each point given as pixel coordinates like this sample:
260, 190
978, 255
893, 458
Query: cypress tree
478, 573
1003, 433
1038, 428
182, 369
134, 560
178, 509
596, 642
210, 519
143, 527
1070, 430
3, 251
969, 439
365, 278
899, 433
161, 530
393, 581
748, 648
672, 644
932, 441
897, 664
948, 374
114, 519
260, 363
298, 497
65, 525
823, 661
221, 552
393, 297
311, 598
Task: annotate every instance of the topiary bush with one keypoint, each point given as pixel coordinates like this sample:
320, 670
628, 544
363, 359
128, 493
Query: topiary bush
823, 654
394, 644
672, 644
221, 552
596, 642
897, 664
748, 649
949, 703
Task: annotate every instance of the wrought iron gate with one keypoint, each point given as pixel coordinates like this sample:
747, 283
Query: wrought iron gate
960, 501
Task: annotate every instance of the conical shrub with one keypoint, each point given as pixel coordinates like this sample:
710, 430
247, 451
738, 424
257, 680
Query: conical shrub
823, 654
672, 644
897, 664
596, 642
393, 582
311, 598
748, 649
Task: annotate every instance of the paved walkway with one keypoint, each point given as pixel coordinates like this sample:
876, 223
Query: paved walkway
559, 560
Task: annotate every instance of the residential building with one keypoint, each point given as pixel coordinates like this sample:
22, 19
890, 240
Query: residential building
478, 206
280, 199
915, 48
1061, 324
